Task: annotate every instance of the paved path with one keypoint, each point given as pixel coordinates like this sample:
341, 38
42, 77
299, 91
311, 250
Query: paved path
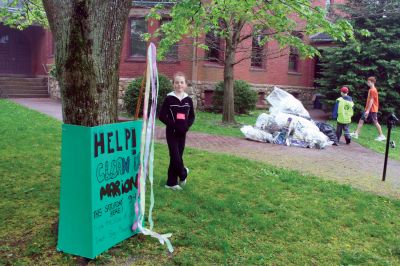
349, 164
47, 106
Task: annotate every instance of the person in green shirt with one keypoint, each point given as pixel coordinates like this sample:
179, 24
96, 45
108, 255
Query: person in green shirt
342, 112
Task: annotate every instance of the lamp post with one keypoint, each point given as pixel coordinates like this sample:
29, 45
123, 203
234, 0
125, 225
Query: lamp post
391, 122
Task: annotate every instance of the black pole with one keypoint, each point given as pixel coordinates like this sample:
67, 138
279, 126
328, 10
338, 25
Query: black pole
391, 122
387, 151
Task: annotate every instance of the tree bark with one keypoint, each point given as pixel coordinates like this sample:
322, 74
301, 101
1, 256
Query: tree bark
228, 110
88, 36
231, 44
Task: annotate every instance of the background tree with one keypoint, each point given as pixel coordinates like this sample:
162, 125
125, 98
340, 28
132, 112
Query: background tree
22, 13
226, 19
376, 53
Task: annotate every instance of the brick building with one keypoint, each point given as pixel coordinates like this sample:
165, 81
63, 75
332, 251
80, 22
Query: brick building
30, 53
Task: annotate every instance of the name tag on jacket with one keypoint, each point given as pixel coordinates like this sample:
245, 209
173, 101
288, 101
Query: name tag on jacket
180, 116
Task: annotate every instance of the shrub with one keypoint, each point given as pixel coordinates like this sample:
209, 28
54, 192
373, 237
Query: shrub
132, 94
244, 97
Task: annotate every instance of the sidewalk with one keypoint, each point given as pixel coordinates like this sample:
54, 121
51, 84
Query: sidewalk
47, 106
348, 164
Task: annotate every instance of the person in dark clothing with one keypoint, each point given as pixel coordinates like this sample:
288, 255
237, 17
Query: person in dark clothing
342, 112
177, 114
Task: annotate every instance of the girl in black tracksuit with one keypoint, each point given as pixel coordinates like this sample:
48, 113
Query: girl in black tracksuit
178, 115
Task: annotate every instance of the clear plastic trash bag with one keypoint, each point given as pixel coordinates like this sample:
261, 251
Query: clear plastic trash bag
282, 101
256, 134
300, 128
276, 121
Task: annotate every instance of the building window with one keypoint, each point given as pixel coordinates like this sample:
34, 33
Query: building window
328, 5
12, 4
293, 59
257, 53
138, 45
4, 39
172, 54
53, 47
214, 53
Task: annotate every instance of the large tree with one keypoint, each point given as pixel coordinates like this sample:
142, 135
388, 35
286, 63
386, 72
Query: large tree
88, 36
271, 19
376, 53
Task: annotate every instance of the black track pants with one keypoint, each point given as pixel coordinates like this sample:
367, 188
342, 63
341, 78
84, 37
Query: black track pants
343, 127
176, 146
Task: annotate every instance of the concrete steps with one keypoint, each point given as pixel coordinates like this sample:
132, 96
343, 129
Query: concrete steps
21, 87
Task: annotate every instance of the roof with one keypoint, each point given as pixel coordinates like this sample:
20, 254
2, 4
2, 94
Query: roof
321, 37
152, 2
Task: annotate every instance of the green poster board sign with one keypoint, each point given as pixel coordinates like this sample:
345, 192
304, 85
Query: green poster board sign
99, 168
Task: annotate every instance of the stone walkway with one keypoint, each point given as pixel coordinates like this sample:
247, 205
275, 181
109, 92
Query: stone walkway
348, 164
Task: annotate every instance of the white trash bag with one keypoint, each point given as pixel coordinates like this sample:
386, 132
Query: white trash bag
282, 101
256, 134
301, 129
276, 121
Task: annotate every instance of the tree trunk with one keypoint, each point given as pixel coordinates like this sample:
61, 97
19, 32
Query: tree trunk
88, 35
228, 110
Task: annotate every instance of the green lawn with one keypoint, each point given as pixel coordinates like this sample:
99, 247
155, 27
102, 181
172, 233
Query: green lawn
232, 211
368, 135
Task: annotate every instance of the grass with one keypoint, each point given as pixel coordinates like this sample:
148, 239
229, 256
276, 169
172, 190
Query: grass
368, 135
210, 123
232, 211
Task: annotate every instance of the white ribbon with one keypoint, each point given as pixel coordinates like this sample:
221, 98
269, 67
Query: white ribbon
147, 152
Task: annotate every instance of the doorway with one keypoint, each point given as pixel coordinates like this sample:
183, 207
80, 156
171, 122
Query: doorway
15, 52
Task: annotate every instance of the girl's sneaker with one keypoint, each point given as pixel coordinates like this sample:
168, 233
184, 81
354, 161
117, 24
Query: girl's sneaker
183, 183
176, 187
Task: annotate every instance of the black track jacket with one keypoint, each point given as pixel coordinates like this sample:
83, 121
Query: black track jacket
177, 115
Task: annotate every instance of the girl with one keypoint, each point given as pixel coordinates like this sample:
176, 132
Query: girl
178, 115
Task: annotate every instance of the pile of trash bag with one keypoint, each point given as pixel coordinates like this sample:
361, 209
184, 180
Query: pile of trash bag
289, 123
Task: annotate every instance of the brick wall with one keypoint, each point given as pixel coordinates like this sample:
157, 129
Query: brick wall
133, 67
203, 91
274, 71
